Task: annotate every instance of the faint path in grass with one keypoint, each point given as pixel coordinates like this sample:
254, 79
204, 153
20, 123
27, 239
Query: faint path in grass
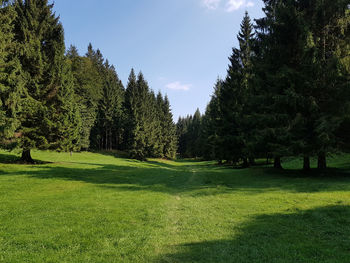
172, 233
97, 208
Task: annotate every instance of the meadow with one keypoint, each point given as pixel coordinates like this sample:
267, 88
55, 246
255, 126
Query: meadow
93, 207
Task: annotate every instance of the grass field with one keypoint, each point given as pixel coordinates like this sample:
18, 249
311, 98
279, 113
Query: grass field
98, 208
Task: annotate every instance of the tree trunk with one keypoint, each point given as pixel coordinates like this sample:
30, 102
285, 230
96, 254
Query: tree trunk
277, 163
322, 162
110, 140
106, 142
245, 163
26, 157
251, 161
306, 166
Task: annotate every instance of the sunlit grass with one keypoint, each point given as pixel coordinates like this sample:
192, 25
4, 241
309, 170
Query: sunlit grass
98, 208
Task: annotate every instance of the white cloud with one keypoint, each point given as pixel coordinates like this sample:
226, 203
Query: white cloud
211, 4
233, 5
178, 86
250, 4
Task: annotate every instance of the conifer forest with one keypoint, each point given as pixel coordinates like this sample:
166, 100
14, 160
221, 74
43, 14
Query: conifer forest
285, 94
96, 170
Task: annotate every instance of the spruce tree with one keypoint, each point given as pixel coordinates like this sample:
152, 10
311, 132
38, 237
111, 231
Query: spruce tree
141, 134
11, 82
277, 70
212, 120
233, 129
129, 114
181, 133
246, 38
159, 127
108, 127
330, 27
87, 90
47, 108
169, 141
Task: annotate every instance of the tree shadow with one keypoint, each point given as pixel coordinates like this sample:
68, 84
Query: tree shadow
14, 159
313, 236
189, 180
186, 177
9, 158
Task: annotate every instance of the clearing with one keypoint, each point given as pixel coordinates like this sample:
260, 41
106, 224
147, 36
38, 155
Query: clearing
98, 208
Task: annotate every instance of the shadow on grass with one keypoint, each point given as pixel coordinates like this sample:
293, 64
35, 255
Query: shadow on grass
195, 180
312, 236
187, 177
14, 159
9, 158
335, 173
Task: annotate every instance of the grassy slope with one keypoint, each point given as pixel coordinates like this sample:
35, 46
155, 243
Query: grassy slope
97, 208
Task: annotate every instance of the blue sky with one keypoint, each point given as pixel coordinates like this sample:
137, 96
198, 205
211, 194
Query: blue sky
181, 46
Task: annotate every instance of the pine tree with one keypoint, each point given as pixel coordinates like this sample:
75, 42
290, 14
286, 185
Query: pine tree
233, 129
159, 127
141, 141
246, 38
168, 131
129, 108
300, 68
278, 75
108, 126
212, 120
181, 134
88, 92
330, 28
45, 110
230, 139
11, 82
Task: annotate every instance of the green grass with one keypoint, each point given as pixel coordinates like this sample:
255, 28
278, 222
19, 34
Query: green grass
98, 208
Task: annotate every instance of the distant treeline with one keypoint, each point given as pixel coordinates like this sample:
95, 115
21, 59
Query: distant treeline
286, 92
58, 100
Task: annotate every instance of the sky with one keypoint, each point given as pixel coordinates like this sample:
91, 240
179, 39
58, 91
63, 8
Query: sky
181, 46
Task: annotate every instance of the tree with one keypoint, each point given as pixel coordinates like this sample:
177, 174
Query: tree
47, 108
88, 93
233, 128
280, 39
108, 127
211, 120
11, 80
168, 141
330, 27
188, 132
129, 108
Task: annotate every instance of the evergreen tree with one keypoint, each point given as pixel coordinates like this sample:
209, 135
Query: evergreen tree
231, 141
330, 27
108, 127
233, 127
302, 100
277, 68
212, 120
168, 137
194, 148
129, 108
159, 127
88, 93
45, 110
181, 133
11, 82
189, 135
